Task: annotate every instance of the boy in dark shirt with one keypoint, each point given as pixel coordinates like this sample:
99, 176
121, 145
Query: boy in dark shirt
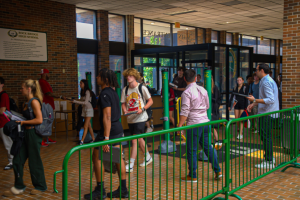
179, 82
111, 127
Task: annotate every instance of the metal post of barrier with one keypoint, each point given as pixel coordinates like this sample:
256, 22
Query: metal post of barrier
88, 76
165, 94
167, 145
118, 90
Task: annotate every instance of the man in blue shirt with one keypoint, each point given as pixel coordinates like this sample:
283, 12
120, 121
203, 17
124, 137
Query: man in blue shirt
267, 102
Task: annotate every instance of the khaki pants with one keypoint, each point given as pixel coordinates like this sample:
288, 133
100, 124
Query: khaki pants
7, 144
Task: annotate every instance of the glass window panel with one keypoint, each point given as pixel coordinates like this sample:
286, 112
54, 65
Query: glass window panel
200, 36
86, 63
116, 28
229, 38
85, 20
137, 30
183, 36
156, 33
249, 41
214, 37
244, 64
273, 47
116, 63
263, 46
149, 71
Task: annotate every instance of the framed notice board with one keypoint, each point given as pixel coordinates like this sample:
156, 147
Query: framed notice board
23, 45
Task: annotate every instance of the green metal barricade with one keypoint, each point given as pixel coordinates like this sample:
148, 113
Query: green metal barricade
257, 154
162, 178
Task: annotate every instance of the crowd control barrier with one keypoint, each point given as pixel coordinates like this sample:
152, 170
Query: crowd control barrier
275, 143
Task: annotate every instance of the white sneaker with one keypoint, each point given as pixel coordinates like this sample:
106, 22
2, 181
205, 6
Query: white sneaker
149, 130
145, 163
239, 137
131, 167
266, 165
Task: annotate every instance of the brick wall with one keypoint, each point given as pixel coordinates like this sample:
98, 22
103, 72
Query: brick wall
116, 28
103, 36
291, 54
58, 20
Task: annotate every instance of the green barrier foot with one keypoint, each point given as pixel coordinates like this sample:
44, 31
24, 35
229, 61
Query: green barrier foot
236, 196
219, 198
294, 165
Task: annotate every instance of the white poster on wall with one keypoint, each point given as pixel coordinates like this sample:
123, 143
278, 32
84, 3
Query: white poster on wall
21, 45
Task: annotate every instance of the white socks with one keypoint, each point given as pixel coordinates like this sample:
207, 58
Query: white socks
148, 156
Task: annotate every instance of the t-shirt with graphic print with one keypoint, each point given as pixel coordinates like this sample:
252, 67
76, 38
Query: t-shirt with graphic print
134, 101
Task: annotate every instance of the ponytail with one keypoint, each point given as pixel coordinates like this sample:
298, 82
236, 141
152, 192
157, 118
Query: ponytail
35, 88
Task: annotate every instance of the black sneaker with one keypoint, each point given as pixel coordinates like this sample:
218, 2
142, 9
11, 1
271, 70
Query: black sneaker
116, 194
96, 194
8, 167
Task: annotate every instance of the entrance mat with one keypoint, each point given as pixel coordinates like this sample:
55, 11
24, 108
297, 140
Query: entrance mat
237, 149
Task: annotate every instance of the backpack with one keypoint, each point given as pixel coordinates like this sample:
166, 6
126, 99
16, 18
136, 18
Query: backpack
12, 104
45, 128
94, 99
149, 110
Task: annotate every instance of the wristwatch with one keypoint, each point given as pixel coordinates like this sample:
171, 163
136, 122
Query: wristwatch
254, 100
143, 109
107, 138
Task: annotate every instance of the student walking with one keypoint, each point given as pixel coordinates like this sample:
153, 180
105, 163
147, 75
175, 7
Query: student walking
31, 144
48, 97
267, 102
195, 104
254, 91
133, 99
87, 109
179, 82
216, 100
4, 105
111, 128
240, 103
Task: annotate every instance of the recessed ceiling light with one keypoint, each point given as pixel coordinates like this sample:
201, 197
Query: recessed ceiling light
180, 12
187, 28
227, 22
152, 23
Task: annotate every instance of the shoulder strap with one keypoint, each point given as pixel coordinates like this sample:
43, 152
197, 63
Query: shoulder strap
30, 108
141, 92
126, 91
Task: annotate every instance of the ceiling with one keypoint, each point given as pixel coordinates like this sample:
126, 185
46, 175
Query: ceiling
249, 17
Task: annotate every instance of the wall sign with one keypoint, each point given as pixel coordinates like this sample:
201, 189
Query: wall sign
21, 45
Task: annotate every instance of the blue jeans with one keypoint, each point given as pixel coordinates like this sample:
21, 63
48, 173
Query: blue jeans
202, 138
265, 126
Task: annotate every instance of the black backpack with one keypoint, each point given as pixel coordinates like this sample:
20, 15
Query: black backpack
149, 110
94, 99
12, 104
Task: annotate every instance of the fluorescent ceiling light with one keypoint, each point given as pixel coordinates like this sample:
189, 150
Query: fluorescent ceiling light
233, 22
180, 12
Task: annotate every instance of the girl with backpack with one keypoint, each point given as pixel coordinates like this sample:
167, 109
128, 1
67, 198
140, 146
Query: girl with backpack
31, 143
87, 108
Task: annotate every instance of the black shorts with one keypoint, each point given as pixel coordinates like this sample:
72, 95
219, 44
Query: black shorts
101, 137
239, 106
137, 128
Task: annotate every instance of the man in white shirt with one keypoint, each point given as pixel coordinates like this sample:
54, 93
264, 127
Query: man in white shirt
133, 99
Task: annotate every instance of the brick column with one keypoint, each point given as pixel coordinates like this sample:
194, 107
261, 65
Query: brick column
208, 35
103, 39
235, 39
291, 54
129, 20
222, 37
277, 53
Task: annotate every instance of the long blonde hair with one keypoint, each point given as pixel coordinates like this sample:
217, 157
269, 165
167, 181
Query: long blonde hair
35, 88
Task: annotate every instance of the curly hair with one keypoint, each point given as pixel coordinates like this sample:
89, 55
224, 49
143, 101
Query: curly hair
132, 72
109, 76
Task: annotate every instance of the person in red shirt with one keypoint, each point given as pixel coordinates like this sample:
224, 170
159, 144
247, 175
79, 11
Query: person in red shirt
171, 104
4, 105
48, 96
